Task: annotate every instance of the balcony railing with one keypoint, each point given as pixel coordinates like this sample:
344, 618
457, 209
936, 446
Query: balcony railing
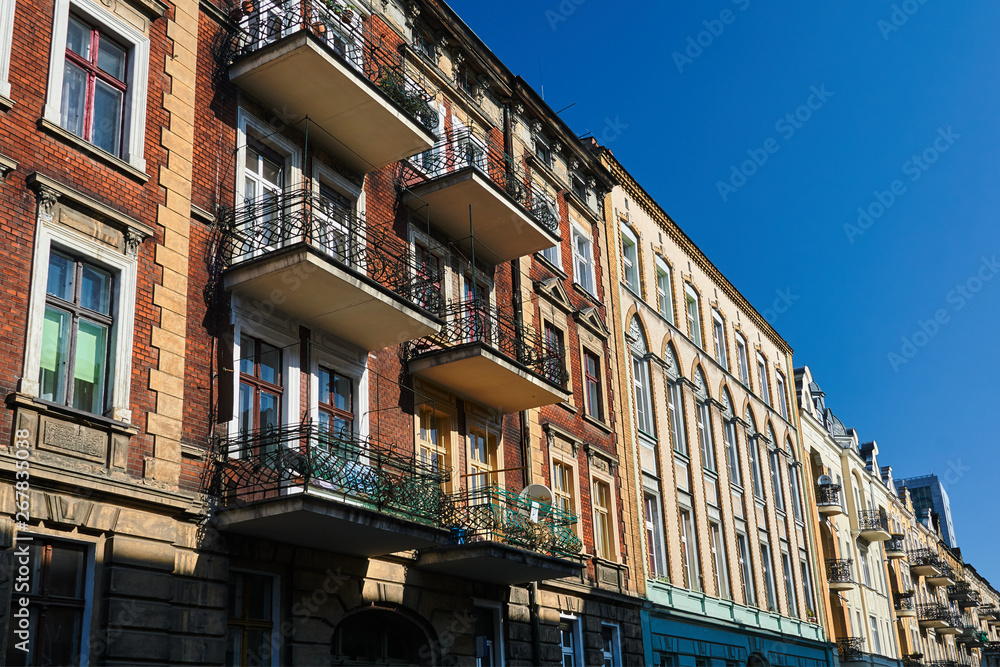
873, 520
344, 34
828, 494
497, 515
991, 647
987, 611
273, 462
838, 571
934, 612
462, 149
474, 321
964, 594
851, 648
905, 604
274, 222
896, 545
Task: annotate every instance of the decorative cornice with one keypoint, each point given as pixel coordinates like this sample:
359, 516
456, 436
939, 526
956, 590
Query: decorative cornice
50, 190
7, 165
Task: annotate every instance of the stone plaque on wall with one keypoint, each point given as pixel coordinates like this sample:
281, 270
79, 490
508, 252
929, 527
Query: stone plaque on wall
75, 440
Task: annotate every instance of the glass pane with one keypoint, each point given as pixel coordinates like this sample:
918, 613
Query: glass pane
235, 594
268, 410
74, 99
88, 367
246, 408
78, 38
55, 339
234, 642
324, 386
258, 589
248, 348
66, 573
60, 281
107, 121
271, 172
258, 647
342, 393
95, 289
58, 640
270, 363
111, 59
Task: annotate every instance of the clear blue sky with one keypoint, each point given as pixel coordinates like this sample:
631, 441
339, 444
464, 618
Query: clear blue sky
925, 86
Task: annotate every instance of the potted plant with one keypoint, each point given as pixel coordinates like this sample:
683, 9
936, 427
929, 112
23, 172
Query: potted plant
319, 28
347, 15
247, 6
811, 615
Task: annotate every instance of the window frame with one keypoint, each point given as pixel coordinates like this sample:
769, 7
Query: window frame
275, 609
664, 294
719, 338
246, 324
610, 543
572, 624
614, 658
630, 262
138, 47
641, 387
746, 569
691, 297
593, 405
675, 416
770, 583
567, 502
495, 610
764, 385
731, 438
447, 451
705, 436
777, 484
690, 554
756, 469
720, 560
656, 553
6, 43
781, 389
583, 267
743, 360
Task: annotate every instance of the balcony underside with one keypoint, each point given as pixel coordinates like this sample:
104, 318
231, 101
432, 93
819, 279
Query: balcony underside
933, 623
480, 374
948, 630
906, 613
302, 283
322, 523
875, 535
503, 228
940, 580
831, 510
361, 126
925, 570
895, 554
496, 563
842, 585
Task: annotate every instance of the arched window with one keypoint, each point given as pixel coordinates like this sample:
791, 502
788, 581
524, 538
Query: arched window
775, 458
380, 636
729, 433
794, 480
640, 379
753, 447
704, 415
675, 403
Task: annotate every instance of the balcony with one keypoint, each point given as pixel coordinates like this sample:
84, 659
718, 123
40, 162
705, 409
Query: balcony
502, 538
306, 485
924, 563
465, 176
303, 59
851, 649
873, 525
992, 648
946, 577
302, 254
895, 548
972, 637
964, 595
935, 616
486, 357
838, 574
988, 612
953, 625
905, 607
828, 500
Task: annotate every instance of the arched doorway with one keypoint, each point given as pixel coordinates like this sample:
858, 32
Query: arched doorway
383, 637
757, 660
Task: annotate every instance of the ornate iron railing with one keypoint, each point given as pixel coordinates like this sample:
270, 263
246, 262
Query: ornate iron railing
498, 515
920, 557
873, 520
474, 321
987, 611
828, 494
462, 149
934, 612
943, 663
964, 595
991, 647
838, 570
851, 648
905, 604
274, 222
345, 35
272, 462
896, 544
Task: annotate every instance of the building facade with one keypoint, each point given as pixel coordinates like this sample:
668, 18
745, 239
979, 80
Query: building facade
928, 493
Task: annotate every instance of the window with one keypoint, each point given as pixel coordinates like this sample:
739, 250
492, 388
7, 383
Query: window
563, 488
793, 482
260, 385
482, 459
807, 584
592, 385
263, 183
719, 339
654, 537
76, 336
251, 619
429, 278
876, 642
675, 413
746, 569
741, 360
705, 436
543, 150
57, 604
434, 440
643, 404
603, 521
765, 390
551, 254
610, 645
779, 380
489, 637
664, 296
554, 369
630, 261
693, 316
732, 454
769, 583
793, 603
865, 573
98, 73
545, 208
689, 551
756, 474
776, 486
6, 38
583, 261
569, 642
336, 403
719, 560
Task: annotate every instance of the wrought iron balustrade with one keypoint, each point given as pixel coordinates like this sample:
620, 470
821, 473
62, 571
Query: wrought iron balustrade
987, 611
498, 515
918, 557
905, 604
991, 647
276, 221
828, 494
345, 34
475, 321
934, 612
462, 149
274, 462
897, 543
851, 648
873, 520
838, 570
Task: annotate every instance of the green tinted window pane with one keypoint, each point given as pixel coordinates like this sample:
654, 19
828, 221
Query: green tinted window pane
66, 573
342, 393
246, 407
107, 117
74, 99
247, 350
111, 58
268, 410
78, 38
270, 362
55, 339
95, 289
88, 368
60, 280
325, 389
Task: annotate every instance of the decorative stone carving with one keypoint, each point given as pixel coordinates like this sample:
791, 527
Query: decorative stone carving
133, 239
47, 198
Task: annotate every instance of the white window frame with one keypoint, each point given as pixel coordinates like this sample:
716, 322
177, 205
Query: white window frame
780, 385
770, 585
689, 547
664, 293
732, 453
654, 525
765, 387
615, 658
612, 546
742, 359
630, 260
125, 268
693, 318
268, 136
746, 569
774, 461
6, 40
756, 471
719, 338
718, 548
796, 489
705, 438
134, 136
675, 413
496, 610
583, 267
643, 395
341, 362
574, 623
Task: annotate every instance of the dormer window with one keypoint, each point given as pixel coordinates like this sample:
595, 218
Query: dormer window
424, 45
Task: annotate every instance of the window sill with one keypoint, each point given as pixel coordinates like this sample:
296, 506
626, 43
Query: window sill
597, 423
92, 150
72, 414
6, 104
568, 407
550, 266
7, 165
583, 291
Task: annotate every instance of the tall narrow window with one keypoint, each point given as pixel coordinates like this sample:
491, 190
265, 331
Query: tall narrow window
630, 261
654, 536
786, 566
720, 561
779, 383
583, 261
776, 486
592, 385
263, 181
554, 368
769, 583
251, 619
664, 294
746, 569
876, 641
732, 454
260, 385
336, 403
807, 585
610, 646
765, 389
428, 287
602, 520
569, 644
689, 551
693, 316
76, 334
742, 360
705, 436
675, 412
793, 482
643, 404
433, 441
719, 339
563, 488
482, 460
756, 474
488, 629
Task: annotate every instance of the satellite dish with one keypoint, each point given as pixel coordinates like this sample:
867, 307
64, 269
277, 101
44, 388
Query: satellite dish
825, 480
538, 493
